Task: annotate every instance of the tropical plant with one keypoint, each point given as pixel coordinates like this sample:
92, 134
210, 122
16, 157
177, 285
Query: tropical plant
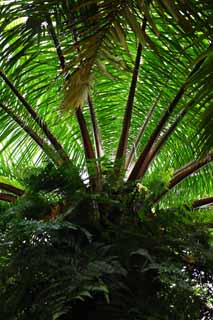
105, 112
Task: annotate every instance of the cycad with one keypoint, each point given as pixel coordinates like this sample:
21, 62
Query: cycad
116, 97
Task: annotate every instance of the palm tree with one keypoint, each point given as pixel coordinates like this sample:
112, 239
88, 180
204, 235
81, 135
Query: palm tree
119, 89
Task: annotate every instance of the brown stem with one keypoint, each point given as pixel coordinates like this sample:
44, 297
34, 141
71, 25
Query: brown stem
89, 151
140, 165
185, 167
142, 130
138, 169
96, 133
12, 189
42, 144
95, 129
185, 172
122, 146
202, 202
42, 124
146, 122
88, 147
157, 147
140, 135
7, 197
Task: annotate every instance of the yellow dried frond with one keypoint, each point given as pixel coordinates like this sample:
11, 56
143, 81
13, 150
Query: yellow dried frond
76, 88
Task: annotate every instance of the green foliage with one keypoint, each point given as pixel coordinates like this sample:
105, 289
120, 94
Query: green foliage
166, 65
56, 269
47, 267
85, 238
156, 266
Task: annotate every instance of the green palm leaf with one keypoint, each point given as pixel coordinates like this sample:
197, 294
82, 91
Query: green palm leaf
55, 52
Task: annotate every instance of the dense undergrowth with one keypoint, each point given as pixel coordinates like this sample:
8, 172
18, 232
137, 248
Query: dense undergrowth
70, 253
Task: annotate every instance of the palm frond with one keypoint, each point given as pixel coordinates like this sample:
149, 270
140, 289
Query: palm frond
79, 36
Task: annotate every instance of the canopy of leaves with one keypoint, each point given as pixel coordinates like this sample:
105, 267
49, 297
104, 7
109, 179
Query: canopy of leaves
55, 51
